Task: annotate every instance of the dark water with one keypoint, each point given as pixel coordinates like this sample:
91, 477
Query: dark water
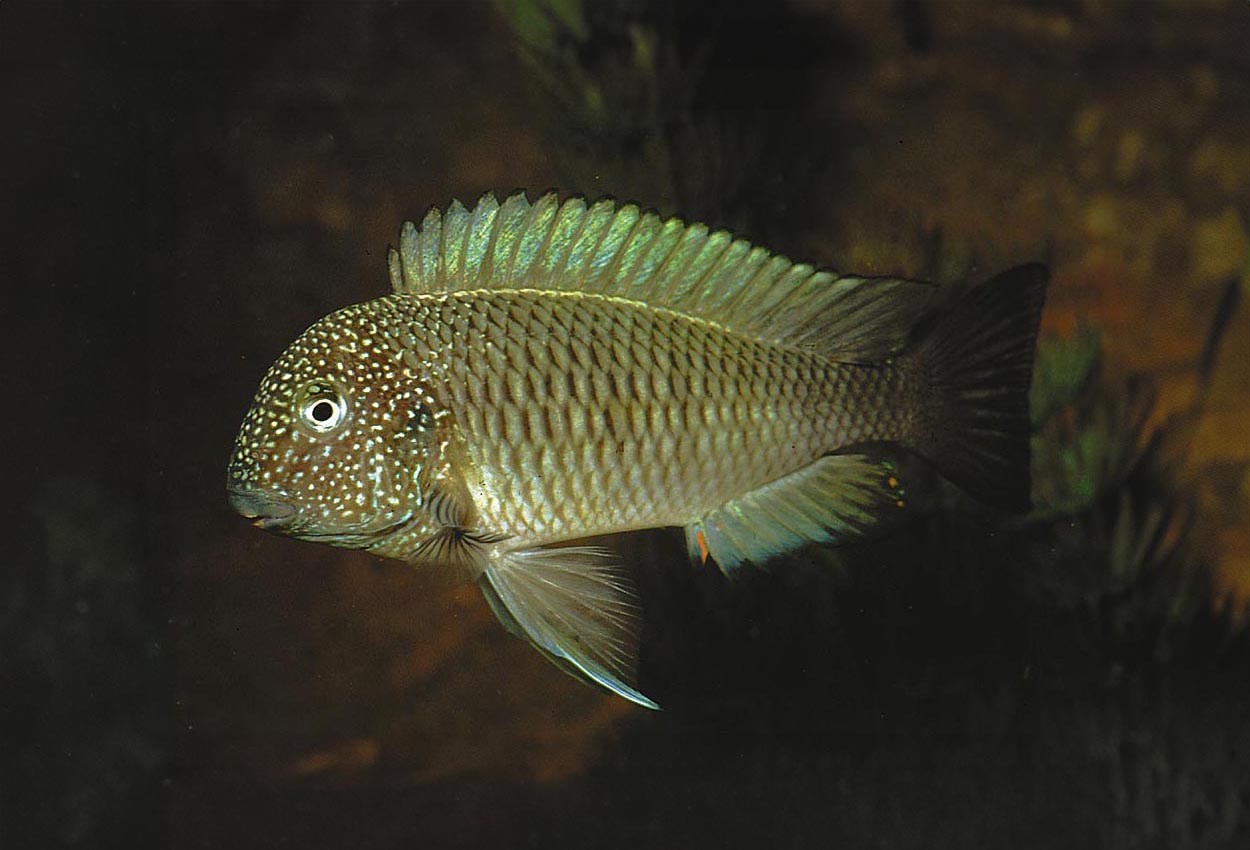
186, 186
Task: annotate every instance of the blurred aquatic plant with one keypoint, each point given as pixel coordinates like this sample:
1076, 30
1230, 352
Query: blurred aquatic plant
614, 90
1120, 558
681, 105
1124, 541
1065, 366
1085, 441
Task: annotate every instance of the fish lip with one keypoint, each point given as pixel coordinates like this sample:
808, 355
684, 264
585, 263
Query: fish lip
273, 513
266, 510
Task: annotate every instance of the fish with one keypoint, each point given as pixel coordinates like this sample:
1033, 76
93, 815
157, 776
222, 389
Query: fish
546, 372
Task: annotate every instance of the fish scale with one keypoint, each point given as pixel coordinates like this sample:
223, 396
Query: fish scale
649, 401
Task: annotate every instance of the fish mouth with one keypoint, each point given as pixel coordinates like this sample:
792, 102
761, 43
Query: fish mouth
271, 513
266, 511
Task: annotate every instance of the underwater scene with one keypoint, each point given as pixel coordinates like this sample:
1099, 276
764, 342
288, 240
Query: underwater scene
625, 423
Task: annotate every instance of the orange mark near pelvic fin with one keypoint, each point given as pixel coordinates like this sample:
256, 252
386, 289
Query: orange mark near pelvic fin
892, 481
702, 546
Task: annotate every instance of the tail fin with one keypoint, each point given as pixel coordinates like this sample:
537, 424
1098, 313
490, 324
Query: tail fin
977, 358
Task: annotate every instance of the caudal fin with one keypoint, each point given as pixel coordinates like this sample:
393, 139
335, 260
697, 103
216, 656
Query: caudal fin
977, 359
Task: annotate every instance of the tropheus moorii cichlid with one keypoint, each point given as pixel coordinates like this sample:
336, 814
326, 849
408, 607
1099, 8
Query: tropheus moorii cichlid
553, 371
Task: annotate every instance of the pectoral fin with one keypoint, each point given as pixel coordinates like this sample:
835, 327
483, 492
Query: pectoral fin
576, 606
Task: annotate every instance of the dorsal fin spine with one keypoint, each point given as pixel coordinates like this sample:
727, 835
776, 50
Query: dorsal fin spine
785, 288
457, 237
820, 289
611, 250
799, 285
444, 265
679, 259
507, 236
756, 260
569, 220
406, 276
441, 273
524, 231
564, 241
538, 273
566, 268
534, 238
426, 246
395, 270
479, 241
702, 265
738, 265
456, 224
657, 255
646, 232
585, 242
487, 271
705, 266
752, 300
614, 249
469, 264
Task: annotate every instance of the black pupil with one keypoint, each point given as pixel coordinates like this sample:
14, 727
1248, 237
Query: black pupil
322, 411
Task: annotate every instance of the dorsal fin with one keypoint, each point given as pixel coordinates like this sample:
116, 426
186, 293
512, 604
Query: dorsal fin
623, 252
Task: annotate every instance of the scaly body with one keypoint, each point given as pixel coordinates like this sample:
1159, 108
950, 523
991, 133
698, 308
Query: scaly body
551, 371
585, 415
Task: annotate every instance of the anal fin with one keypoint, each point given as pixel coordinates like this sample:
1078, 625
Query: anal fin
576, 606
834, 499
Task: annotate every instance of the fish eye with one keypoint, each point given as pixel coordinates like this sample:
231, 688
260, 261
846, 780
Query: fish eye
324, 411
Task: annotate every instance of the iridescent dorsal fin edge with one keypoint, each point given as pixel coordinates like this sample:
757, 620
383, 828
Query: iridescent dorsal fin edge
622, 251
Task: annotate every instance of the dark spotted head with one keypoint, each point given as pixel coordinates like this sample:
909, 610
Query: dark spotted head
340, 434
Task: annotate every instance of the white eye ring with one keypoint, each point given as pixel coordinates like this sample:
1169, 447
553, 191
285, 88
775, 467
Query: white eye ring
323, 413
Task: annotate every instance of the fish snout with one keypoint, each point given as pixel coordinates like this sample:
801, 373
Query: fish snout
266, 510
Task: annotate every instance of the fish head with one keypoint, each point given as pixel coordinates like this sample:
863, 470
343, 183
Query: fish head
338, 437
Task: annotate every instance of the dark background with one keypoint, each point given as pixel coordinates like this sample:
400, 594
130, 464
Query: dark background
185, 186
